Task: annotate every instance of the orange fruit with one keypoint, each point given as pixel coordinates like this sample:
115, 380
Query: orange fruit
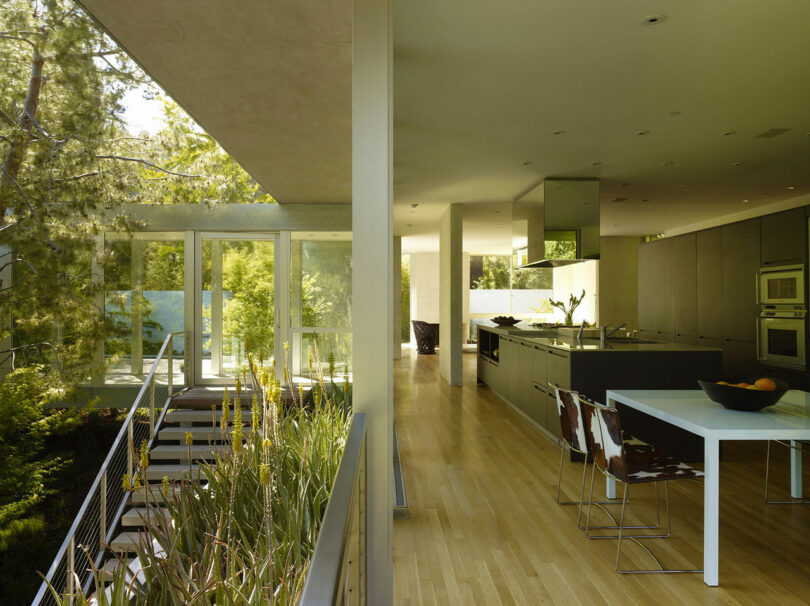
722, 382
754, 387
743, 384
765, 384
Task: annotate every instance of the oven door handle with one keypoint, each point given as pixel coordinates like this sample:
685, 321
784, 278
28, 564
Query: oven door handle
760, 355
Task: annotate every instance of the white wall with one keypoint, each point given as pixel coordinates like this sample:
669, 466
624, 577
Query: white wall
571, 279
507, 302
425, 288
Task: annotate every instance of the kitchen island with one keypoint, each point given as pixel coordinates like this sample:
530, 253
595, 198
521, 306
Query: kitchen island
519, 363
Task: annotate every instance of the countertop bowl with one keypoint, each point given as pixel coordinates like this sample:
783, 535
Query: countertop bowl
505, 321
738, 398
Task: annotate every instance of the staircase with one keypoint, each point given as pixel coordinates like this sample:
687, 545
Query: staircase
190, 412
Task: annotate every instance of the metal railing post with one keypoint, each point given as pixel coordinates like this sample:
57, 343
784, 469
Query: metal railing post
71, 567
102, 518
152, 407
130, 450
171, 364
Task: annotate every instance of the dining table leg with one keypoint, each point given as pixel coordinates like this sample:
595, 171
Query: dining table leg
796, 470
711, 511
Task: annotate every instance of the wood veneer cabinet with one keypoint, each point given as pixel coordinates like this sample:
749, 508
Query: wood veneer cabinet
741, 262
684, 283
709, 286
784, 238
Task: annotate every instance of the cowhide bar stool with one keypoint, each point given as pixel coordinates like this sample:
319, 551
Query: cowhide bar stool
630, 466
572, 427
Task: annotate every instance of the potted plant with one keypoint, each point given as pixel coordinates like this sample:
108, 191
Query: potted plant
568, 310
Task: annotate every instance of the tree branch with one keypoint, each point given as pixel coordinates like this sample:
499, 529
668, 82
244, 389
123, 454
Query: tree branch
149, 164
18, 39
8, 119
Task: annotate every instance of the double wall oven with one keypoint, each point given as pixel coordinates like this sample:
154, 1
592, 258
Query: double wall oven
782, 329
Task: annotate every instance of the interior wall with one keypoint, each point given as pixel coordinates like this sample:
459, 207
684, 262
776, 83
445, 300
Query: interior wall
425, 288
618, 281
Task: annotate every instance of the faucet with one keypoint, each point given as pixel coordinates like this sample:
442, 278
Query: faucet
581, 328
604, 334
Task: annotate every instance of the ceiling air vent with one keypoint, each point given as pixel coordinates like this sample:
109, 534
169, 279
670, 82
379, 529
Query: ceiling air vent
772, 132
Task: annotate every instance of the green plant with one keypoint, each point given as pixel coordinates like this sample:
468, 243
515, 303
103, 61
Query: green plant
568, 310
243, 531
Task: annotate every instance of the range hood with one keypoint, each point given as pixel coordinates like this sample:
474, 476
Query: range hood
557, 204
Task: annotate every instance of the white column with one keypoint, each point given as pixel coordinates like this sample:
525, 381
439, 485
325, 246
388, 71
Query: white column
372, 258
281, 271
216, 307
396, 297
450, 295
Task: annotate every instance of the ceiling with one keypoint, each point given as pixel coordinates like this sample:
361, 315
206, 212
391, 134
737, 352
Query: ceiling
665, 115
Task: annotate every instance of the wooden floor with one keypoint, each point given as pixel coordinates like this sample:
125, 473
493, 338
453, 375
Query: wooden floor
484, 527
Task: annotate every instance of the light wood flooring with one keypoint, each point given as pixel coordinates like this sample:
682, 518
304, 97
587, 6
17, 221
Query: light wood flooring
484, 527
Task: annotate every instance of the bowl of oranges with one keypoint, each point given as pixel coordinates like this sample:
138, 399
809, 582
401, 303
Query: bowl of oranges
745, 395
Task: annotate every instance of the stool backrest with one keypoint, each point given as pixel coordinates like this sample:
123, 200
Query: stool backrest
604, 436
571, 423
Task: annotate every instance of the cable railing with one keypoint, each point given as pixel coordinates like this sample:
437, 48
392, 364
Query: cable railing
337, 572
97, 520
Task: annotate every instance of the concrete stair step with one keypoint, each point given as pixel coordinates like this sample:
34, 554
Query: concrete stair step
112, 564
191, 415
198, 434
156, 472
136, 516
201, 398
180, 452
129, 541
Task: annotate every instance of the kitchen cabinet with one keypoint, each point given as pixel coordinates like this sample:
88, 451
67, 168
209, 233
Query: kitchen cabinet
547, 402
709, 291
784, 238
664, 287
525, 398
740, 264
559, 368
684, 280
646, 271
540, 371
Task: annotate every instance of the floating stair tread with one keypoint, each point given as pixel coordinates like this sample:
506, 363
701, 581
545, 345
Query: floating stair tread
191, 415
112, 564
197, 433
136, 516
181, 451
129, 541
173, 471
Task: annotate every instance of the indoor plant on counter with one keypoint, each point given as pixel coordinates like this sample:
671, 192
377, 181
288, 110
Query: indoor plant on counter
568, 310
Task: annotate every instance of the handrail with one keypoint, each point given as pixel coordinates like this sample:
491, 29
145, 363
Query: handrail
66, 554
332, 574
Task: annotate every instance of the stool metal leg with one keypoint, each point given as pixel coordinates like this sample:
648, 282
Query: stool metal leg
767, 476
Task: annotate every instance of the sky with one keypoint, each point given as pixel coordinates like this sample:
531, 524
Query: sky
142, 114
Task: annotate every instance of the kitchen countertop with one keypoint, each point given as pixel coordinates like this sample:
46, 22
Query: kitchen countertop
522, 331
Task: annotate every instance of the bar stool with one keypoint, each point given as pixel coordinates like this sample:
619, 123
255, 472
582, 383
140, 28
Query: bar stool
630, 466
799, 445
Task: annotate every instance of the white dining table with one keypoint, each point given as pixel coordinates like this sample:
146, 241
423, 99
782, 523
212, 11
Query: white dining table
693, 411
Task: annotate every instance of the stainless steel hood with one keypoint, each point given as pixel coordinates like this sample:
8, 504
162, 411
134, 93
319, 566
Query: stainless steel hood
557, 204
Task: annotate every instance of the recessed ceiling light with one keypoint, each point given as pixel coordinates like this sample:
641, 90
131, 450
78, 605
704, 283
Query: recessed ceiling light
645, 199
501, 224
625, 184
674, 114
667, 163
641, 133
791, 187
728, 133
558, 132
746, 201
497, 212
597, 163
615, 225
618, 199
414, 205
683, 184
527, 163
737, 163
653, 19
408, 225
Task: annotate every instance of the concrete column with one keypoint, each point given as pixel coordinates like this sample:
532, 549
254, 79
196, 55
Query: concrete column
216, 307
450, 295
97, 271
397, 297
372, 289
